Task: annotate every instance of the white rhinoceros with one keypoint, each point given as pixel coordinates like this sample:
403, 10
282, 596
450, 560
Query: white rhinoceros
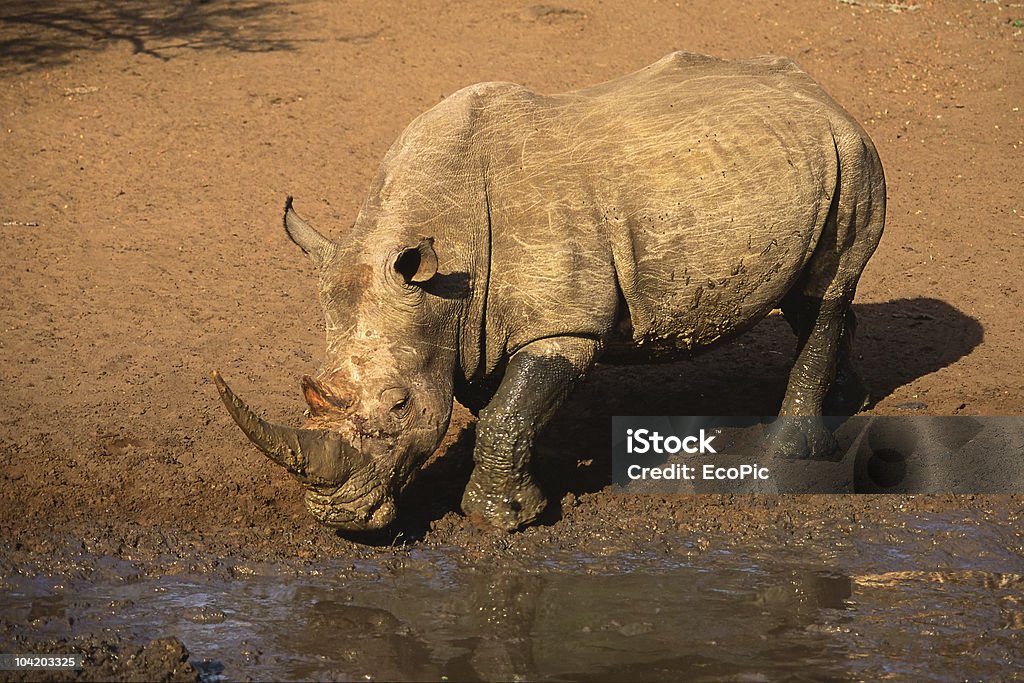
512, 239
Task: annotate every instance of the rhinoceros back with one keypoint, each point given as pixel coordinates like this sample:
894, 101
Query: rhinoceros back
660, 211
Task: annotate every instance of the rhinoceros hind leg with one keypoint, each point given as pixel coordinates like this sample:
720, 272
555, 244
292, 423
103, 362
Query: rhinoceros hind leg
818, 307
848, 394
819, 324
501, 493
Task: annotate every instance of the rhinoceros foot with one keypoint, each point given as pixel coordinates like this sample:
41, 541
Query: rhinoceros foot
506, 504
801, 438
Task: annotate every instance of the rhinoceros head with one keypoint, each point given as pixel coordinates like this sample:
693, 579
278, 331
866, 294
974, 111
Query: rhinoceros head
381, 401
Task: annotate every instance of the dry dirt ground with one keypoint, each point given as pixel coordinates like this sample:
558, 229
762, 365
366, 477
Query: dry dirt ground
148, 147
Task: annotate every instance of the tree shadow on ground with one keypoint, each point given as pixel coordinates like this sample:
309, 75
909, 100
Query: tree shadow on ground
46, 33
897, 342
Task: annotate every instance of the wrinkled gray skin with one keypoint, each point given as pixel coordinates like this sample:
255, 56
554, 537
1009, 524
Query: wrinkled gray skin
511, 240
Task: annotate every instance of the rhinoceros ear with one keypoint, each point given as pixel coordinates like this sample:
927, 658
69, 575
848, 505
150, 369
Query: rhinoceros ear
417, 264
305, 235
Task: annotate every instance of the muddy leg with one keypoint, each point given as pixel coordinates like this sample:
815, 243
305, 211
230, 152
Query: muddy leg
819, 324
848, 394
501, 492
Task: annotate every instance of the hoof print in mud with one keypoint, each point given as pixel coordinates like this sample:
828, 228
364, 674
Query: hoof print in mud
498, 273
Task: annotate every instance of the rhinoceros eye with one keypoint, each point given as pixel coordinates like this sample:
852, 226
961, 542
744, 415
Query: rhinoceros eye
399, 400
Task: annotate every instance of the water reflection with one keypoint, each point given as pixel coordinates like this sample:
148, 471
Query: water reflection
501, 625
722, 616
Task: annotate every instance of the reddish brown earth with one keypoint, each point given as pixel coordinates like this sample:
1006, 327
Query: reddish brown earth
148, 148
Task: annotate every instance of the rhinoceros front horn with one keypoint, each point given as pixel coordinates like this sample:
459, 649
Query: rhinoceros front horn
314, 456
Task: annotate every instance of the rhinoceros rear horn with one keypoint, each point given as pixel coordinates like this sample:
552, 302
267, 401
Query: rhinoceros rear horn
314, 456
305, 235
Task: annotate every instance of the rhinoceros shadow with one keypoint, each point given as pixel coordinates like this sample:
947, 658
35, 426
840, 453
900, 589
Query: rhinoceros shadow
896, 343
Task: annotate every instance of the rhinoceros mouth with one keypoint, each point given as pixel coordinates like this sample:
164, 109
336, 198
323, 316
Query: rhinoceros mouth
341, 509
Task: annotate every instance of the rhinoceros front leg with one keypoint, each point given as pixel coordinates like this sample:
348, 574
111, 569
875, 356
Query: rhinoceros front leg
501, 493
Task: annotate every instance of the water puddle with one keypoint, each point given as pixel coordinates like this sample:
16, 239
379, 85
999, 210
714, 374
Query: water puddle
940, 600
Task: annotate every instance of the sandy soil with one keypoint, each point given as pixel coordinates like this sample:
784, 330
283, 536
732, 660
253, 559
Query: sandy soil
149, 146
